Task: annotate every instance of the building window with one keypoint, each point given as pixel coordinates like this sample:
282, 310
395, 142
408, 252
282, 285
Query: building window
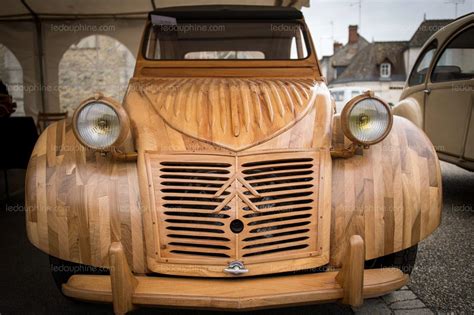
338, 71
385, 70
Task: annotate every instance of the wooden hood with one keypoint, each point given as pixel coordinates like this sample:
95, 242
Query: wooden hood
233, 113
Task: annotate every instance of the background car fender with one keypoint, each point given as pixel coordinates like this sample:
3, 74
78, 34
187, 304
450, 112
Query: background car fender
390, 194
411, 110
78, 202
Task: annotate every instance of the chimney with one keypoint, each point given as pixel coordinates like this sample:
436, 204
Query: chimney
353, 35
336, 46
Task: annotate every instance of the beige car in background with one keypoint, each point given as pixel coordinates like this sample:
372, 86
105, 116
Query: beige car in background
438, 96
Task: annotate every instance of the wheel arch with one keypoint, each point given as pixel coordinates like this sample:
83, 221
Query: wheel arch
78, 201
390, 194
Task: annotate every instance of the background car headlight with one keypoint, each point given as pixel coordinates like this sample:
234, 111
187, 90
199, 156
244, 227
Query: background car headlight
100, 123
366, 119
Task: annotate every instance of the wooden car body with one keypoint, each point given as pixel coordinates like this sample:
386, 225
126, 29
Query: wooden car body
262, 139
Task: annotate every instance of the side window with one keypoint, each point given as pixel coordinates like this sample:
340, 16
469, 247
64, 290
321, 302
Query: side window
418, 74
457, 60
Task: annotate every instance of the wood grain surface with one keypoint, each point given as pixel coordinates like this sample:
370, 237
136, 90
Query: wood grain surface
390, 194
232, 113
79, 202
227, 294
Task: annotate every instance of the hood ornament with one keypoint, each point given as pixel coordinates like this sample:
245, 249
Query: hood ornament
236, 268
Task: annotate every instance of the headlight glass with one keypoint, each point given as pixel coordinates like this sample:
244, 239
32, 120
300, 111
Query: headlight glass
368, 121
98, 125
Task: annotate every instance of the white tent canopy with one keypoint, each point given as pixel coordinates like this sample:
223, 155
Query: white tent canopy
119, 7
34, 30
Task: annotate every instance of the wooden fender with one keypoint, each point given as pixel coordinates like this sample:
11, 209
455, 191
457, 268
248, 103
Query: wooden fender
390, 194
78, 203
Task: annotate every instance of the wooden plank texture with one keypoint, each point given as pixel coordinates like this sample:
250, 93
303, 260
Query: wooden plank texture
79, 202
390, 194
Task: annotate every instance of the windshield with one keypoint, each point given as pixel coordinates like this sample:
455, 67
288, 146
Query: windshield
168, 39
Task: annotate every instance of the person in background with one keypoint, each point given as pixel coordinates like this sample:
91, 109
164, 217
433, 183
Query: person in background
7, 106
3, 88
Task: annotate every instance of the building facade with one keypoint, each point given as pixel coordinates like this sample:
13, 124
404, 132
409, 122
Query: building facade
382, 67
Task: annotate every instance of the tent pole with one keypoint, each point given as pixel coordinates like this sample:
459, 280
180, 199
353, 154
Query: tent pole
39, 41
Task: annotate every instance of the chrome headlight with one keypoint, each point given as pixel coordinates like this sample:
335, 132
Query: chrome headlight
100, 123
366, 119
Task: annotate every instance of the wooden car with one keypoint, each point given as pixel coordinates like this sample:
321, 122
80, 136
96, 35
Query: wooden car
224, 162
439, 94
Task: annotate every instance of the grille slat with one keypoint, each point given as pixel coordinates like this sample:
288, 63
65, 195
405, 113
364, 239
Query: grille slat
191, 183
269, 190
195, 224
277, 249
189, 179
172, 231
270, 244
199, 239
279, 226
261, 201
267, 222
196, 164
275, 170
288, 180
198, 212
259, 164
277, 175
296, 203
196, 201
187, 207
275, 214
203, 177
199, 230
192, 192
199, 253
267, 239
205, 247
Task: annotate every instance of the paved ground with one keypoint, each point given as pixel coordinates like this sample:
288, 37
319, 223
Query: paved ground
442, 281
444, 275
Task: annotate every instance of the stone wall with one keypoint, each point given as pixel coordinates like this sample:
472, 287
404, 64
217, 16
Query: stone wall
96, 64
11, 74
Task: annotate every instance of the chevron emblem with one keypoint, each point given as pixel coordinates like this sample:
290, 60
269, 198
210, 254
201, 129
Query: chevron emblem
236, 193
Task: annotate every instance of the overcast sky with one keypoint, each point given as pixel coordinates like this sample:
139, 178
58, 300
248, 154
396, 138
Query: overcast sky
381, 20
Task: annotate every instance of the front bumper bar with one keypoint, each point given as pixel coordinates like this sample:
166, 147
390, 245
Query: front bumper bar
351, 285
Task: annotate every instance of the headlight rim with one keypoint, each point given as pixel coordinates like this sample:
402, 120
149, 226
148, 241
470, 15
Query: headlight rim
348, 109
122, 115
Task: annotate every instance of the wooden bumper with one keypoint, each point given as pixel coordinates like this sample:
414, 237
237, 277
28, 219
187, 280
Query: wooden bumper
351, 285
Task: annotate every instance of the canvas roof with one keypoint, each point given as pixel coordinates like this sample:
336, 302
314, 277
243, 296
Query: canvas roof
83, 8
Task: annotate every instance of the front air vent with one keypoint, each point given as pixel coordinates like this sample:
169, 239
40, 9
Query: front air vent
287, 191
255, 208
188, 200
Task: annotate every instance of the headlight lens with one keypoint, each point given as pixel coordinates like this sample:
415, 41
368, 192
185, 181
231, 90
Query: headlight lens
367, 120
98, 125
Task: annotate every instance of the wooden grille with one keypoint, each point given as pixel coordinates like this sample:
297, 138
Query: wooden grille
255, 208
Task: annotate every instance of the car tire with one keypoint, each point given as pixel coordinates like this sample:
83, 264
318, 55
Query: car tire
403, 260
